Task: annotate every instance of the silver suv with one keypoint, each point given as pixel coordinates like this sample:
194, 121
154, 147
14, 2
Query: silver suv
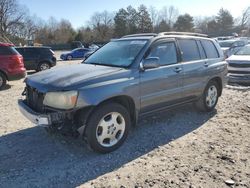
127, 78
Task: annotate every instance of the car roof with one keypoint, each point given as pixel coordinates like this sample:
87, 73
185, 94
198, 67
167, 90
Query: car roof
6, 44
35, 47
147, 36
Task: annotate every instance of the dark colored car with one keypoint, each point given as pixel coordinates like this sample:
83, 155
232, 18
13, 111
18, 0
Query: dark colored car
78, 53
11, 64
126, 79
37, 58
239, 66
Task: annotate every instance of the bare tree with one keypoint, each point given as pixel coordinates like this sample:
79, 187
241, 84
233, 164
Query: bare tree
245, 18
102, 24
11, 17
169, 15
154, 16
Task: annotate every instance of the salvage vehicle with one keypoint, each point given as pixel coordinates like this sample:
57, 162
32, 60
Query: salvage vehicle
239, 66
124, 80
11, 64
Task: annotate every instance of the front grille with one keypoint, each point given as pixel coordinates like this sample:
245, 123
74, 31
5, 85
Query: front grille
238, 72
34, 99
240, 65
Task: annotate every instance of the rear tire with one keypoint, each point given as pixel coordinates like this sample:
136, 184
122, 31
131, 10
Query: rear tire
108, 127
43, 66
3, 81
69, 57
209, 98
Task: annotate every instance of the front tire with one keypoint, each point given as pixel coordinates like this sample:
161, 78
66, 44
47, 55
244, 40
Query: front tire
108, 127
209, 98
3, 81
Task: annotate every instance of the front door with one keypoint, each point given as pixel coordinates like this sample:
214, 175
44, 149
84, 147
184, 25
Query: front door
160, 87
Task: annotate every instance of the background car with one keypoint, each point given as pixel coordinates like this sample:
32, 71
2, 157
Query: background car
78, 53
239, 66
11, 64
37, 58
231, 46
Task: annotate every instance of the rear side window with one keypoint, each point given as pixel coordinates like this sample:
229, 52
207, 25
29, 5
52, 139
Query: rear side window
7, 50
189, 50
166, 52
45, 51
210, 49
31, 52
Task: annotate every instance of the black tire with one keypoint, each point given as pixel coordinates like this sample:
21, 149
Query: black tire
202, 104
43, 66
92, 126
69, 57
3, 81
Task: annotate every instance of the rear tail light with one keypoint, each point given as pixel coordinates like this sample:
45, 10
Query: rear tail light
16, 61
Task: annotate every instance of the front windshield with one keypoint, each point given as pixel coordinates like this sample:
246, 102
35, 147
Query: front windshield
244, 51
120, 53
226, 44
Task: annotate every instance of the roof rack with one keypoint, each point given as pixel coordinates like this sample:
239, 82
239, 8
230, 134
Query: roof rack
141, 35
183, 33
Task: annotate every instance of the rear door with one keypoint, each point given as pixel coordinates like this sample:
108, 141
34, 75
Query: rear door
194, 68
160, 87
31, 57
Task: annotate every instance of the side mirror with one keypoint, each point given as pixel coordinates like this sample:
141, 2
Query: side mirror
150, 63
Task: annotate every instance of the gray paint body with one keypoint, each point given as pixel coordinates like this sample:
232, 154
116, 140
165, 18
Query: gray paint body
149, 89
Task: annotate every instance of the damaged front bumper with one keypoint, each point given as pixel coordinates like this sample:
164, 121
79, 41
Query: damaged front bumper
38, 118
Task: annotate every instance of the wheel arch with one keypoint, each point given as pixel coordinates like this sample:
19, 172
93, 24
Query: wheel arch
218, 80
125, 101
4, 73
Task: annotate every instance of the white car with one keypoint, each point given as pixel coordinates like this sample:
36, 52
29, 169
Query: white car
239, 66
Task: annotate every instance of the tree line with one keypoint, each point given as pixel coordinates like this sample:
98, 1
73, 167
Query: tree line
18, 26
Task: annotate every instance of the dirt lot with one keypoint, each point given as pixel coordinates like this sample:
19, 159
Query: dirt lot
176, 148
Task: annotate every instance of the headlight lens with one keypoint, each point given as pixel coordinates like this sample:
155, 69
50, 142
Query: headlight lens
61, 100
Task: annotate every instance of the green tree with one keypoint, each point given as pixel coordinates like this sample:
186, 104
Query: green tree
144, 21
132, 20
184, 23
224, 21
163, 26
121, 23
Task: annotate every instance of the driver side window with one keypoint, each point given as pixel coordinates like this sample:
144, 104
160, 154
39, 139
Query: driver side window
166, 52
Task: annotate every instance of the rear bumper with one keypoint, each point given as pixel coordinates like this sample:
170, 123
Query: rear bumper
239, 78
16, 76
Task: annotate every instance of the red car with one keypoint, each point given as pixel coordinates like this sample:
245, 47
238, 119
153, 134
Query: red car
11, 64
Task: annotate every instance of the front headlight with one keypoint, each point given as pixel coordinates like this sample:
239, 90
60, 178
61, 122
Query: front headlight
61, 100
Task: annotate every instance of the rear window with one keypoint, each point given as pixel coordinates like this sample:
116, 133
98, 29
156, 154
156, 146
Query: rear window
45, 51
8, 50
189, 50
210, 49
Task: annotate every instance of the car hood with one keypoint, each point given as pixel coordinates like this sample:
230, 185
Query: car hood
239, 58
66, 77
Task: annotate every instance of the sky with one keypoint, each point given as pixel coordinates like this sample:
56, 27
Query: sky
78, 12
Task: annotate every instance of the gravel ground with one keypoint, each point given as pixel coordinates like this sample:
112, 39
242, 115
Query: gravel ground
176, 148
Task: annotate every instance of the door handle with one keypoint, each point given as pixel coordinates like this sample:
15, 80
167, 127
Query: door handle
178, 69
206, 64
